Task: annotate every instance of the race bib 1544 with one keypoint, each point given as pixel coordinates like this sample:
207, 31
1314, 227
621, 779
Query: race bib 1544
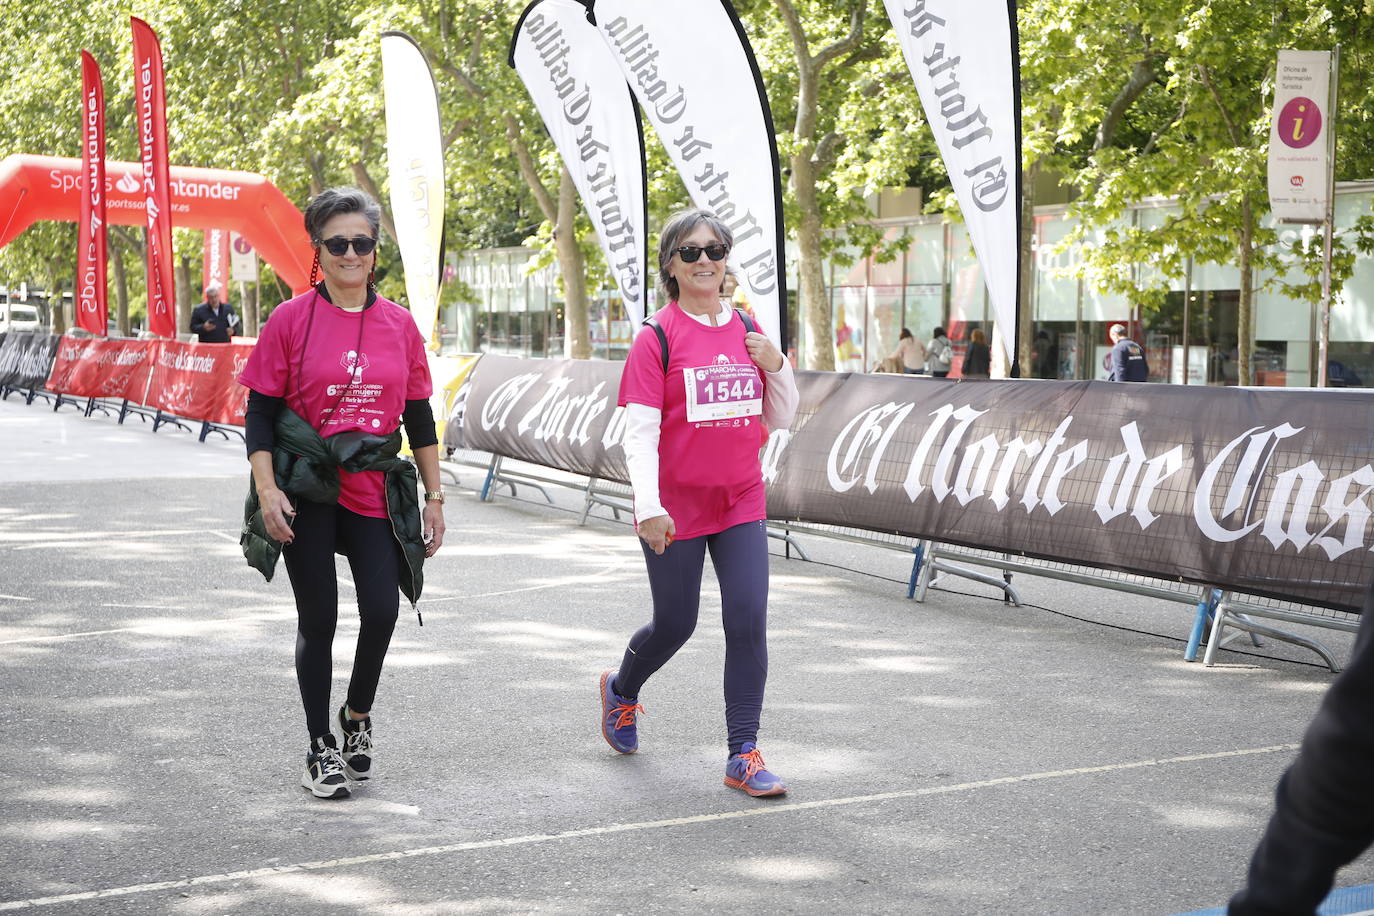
722, 392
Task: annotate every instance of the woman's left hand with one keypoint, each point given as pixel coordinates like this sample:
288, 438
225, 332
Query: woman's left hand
762, 351
433, 519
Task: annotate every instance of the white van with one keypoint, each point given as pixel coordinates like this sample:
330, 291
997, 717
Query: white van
18, 317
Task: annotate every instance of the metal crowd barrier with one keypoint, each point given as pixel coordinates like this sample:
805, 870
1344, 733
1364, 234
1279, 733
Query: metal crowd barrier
1238, 611
1217, 611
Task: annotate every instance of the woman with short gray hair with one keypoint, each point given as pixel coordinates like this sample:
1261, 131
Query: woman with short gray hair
334, 374
700, 389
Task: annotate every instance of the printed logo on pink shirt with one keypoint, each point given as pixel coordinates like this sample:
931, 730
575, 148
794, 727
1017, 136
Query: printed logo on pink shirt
354, 363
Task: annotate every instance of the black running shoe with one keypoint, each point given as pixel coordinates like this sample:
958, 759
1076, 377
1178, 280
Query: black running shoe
357, 746
324, 770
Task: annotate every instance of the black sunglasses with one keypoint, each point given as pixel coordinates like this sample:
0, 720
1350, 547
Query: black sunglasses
338, 245
690, 253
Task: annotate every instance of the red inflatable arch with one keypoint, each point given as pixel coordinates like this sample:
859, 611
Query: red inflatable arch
48, 187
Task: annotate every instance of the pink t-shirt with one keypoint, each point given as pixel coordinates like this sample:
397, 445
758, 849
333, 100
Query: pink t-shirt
368, 363
708, 469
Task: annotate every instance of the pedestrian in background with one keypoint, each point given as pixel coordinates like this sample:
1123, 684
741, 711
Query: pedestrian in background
334, 374
939, 354
978, 358
696, 417
213, 321
1128, 363
910, 353
1045, 356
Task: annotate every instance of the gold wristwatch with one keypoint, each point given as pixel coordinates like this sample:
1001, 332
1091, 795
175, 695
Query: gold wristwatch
434, 495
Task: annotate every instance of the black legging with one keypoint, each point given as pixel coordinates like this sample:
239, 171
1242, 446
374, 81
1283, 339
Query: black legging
371, 549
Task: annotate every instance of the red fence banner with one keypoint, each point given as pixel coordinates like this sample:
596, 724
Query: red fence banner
150, 106
92, 309
87, 367
191, 380
216, 269
200, 381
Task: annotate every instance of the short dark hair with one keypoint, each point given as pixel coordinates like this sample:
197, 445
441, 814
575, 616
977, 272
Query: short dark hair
331, 202
678, 227
939, 332
906, 332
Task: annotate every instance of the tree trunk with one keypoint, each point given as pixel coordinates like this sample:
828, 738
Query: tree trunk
573, 269
183, 285
808, 162
813, 302
248, 305
364, 179
57, 304
1244, 309
121, 292
1025, 341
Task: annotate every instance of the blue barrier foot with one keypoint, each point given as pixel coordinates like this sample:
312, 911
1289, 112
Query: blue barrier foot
920, 553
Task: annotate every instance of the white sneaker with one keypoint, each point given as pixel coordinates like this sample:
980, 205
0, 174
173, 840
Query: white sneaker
324, 769
357, 747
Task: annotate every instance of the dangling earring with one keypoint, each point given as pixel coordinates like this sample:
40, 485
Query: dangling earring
372, 276
315, 268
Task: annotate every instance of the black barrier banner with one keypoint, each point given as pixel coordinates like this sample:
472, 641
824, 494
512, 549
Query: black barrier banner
558, 413
1261, 491
26, 359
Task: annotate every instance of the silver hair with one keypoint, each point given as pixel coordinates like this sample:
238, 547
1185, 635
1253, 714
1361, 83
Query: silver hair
331, 202
1117, 329
679, 226
213, 288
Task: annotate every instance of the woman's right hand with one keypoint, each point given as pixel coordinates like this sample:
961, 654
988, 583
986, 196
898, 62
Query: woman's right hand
658, 532
276, 514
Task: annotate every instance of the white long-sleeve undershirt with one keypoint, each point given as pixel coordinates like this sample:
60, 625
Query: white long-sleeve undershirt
642, 422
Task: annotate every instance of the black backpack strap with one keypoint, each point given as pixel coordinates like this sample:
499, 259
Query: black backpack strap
651, 322
662, 340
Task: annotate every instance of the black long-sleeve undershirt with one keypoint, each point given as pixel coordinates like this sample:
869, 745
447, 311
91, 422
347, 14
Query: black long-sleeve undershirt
261, 416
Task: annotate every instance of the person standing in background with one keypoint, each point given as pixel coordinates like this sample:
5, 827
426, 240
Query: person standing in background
978, 359
911, 352
1127, 360
939, 354
213, 321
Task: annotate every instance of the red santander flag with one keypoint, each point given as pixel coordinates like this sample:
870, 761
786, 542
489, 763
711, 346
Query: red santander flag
216, 268
92, 308
150, 119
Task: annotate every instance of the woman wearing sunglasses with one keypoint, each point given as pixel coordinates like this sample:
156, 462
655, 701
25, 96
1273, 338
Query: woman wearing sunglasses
332, 377
696, 422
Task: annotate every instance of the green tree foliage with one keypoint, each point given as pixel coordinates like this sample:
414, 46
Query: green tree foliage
1172, 99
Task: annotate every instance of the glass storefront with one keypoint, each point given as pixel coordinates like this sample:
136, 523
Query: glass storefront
1190, 339
501, 304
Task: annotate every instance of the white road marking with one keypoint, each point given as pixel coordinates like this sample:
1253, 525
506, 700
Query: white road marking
758, 811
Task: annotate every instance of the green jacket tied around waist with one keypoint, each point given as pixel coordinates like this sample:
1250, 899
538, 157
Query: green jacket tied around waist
306, 466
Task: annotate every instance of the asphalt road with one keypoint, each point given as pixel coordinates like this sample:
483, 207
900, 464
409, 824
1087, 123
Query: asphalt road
959, 756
